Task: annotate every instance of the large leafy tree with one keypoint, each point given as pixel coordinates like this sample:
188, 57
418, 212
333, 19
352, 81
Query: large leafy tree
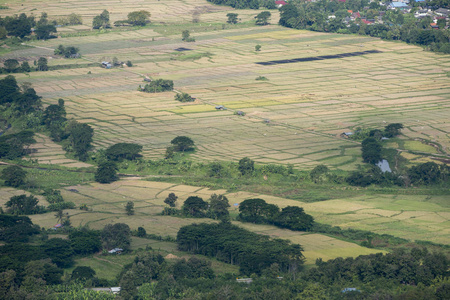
11, 65
13, 145
80, 138
101, 21
294, 218
195, 206
257, 211
182, 143
106, 172
19, 26
44, 32
139, 18
263, 18
9, 89
171, 200
14, 176
121, 151
371, 151
246, 166
85, 241
218, 206
116, 236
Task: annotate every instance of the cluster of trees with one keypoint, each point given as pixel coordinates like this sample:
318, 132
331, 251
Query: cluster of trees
26, 104
391, 130
157, 86
429, 173
184, 97
252, 4
216, 207
401, 266
18, 101
232, 244
260, 212
397, 26
67, 52
13, 66
18, 26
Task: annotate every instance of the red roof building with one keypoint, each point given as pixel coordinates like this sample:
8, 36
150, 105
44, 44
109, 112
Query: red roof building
280, 3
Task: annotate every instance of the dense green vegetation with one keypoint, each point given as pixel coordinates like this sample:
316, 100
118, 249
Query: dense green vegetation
229, 243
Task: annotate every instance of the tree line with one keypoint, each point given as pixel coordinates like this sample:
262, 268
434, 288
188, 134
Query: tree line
396, 26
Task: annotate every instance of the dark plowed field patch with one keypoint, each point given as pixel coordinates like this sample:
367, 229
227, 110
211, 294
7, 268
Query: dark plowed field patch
288, 61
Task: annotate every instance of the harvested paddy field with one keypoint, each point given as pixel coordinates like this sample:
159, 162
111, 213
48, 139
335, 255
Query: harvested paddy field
294, 117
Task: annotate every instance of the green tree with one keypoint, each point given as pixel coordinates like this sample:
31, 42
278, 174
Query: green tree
20, 26
141, 232
11, 65
218, 207
258, 48
182, 143
74, 19
318, 172
257, 211
42, 64
85, 241
263, 18
116, 236
159, 85
14, 176
23, 205
25, 66
171, 200
121, 151
130, 208
392, 130
185, 34
9, 90
80, 138
139, 18
294, 218
195, 206
106, 172
371, 151
101, 21
44, 32
246, 166
232, 18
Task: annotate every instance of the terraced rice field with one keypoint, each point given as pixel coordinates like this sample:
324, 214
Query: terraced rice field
295, 117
